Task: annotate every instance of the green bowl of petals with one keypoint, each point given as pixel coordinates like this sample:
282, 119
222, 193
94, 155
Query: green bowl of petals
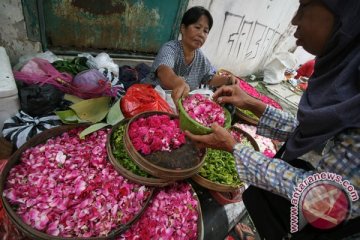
197, 113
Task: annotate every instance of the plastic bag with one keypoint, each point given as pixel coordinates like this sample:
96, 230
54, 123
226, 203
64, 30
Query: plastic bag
48, 55
128, 76
102, 60
274, 70
92, 84
141, 98
38, 100
166, 95
40, 71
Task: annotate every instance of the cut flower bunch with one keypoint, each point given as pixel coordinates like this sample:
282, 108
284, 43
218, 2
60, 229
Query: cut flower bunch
156, 133
66, 187
203, 110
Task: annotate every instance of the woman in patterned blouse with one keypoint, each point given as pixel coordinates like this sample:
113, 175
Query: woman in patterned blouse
180, 65
277, 199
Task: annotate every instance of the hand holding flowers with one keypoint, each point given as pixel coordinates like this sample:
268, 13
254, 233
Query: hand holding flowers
220, 139
235, 95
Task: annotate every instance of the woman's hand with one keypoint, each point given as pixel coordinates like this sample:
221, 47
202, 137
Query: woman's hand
221, 80
181, 90
232, 80
220, 139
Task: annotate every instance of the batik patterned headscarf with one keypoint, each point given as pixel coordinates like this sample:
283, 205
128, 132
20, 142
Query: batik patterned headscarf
331, 102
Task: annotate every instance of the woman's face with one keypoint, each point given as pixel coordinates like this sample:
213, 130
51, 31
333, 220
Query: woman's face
194, 35
314, 26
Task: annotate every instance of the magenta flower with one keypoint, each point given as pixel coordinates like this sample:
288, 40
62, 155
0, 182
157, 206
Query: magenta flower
203, 110
66, 187
156, 133
266, 145
172, 214
254, 93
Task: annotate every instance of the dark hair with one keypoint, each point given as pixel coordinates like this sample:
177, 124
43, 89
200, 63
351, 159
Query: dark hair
193, 14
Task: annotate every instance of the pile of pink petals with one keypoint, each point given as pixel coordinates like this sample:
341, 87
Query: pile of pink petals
203, 110
254, 93
156, 133
241, 138
66, 187
172, 214
266, 145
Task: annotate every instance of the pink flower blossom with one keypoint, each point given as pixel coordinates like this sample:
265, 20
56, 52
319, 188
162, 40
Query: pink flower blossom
203, 110
266, 145
254, 93
66, 187
156, 133
172, 214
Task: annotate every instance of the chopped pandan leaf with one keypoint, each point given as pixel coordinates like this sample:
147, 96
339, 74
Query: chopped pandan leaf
91, 129
93, 110
115, 115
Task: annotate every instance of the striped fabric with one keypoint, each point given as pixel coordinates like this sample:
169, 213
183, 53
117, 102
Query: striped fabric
171, 54
22, 127
281, 178
115, 83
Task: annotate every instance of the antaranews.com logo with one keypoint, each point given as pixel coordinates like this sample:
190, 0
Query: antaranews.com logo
322, 200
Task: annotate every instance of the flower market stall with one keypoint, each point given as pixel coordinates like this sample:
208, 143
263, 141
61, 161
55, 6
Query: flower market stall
101, 156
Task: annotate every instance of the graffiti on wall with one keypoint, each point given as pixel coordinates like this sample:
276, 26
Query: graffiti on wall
246, 40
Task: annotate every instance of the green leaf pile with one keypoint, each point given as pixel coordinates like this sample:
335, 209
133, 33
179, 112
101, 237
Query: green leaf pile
91, 111
121, 155
219, 167
73, 66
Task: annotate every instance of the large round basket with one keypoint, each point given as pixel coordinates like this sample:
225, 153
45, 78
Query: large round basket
148, 181
219, 187
246, 118
200, 223
188, 123
224, 198
27, 230
178, 164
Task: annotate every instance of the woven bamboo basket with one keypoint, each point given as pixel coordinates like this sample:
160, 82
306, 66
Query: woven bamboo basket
178, 164
246, 118
219, 187
148, 181
27, 230
200, 222
224, 198
187, 123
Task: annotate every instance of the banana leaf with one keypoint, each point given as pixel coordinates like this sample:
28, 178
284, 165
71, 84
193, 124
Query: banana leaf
92, 128
72, 98
92, 110
68, 116
115, 115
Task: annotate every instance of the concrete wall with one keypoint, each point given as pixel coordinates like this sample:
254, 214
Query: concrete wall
13, 36
244, 36
246, 33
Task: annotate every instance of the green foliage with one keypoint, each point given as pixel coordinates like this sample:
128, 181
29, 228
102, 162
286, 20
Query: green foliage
121, 155
219, 167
